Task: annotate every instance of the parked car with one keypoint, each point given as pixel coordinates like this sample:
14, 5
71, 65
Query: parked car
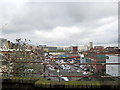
85, 73
76, 65
82, 67
65, 78
51, 68
86, 69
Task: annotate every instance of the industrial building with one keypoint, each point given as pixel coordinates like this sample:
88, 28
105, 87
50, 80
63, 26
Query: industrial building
48, 48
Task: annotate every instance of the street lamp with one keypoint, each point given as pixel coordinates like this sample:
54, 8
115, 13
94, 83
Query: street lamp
58, 73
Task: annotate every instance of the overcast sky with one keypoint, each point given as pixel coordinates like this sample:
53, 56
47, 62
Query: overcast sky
61, 23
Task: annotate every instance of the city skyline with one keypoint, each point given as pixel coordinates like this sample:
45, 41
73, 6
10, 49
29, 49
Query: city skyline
61, 23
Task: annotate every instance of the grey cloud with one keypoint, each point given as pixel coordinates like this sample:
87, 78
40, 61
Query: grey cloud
47, 16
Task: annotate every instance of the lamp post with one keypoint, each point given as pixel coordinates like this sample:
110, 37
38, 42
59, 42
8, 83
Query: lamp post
59, 74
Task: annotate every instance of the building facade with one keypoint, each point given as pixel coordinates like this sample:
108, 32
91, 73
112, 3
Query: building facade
4, 44
83, 48
90, 45
112, 65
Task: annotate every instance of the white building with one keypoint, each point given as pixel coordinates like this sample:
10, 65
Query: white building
3, 44
82, 59
83, 48
114, 68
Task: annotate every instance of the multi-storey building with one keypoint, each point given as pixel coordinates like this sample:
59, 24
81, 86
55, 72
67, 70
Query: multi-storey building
90, 45
83, 48
113, 65
4, 44
112, 49
48, 48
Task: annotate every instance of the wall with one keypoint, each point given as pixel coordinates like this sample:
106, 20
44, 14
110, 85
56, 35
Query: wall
113, 69
3, 44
